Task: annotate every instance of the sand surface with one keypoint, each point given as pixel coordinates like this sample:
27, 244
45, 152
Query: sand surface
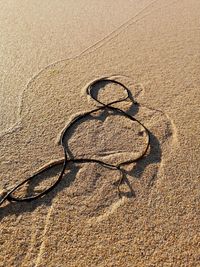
36, 34
83, 222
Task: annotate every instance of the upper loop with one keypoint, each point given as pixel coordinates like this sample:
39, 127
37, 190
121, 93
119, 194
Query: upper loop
90, 88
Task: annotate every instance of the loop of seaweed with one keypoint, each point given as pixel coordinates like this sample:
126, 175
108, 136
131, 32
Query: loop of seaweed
67, 160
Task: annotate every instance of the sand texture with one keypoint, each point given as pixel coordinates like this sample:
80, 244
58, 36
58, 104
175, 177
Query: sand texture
83, 222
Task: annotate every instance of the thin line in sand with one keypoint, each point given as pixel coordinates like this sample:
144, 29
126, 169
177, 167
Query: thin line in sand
42, 246
88, 50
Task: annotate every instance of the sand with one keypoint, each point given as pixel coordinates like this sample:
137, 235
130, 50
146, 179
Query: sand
155, 53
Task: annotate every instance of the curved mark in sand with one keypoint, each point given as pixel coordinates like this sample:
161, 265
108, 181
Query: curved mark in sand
136, 18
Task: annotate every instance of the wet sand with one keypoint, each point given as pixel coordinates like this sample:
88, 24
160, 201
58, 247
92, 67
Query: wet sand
84, 222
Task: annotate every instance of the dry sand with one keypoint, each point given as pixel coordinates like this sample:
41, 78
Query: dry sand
83, 222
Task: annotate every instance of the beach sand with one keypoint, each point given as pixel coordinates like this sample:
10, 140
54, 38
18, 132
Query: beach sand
83, 222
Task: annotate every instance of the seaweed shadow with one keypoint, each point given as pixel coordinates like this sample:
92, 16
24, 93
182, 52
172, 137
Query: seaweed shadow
18, 208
